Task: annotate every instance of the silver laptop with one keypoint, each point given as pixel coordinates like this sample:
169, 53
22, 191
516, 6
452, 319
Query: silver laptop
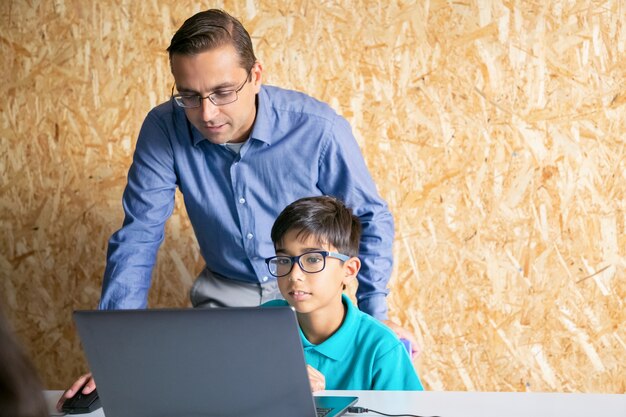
221, 362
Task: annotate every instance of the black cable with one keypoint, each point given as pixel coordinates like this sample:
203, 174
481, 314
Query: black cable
359, 410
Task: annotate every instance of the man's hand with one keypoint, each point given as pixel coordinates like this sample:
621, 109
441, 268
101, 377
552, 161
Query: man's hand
316, 378
402, 333
86, 380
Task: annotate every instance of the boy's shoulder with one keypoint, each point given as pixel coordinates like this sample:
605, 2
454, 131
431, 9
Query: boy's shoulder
358, 327
371, 331
371, 325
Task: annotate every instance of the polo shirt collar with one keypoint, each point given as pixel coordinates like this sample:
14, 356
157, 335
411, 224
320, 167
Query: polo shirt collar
342, 342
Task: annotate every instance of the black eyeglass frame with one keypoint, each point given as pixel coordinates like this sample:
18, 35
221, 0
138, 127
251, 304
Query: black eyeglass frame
296, 259
178, 98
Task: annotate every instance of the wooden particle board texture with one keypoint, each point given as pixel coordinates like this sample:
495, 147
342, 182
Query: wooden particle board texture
495, 130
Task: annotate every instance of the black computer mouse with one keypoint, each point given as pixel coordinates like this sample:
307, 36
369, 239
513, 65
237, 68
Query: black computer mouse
82, 403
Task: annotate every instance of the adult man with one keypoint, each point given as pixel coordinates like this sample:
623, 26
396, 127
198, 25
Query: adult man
240, 152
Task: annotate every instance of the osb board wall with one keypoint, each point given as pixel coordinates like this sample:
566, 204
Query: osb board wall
494, 129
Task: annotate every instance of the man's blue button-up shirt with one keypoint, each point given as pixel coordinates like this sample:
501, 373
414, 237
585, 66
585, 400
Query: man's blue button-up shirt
298, 147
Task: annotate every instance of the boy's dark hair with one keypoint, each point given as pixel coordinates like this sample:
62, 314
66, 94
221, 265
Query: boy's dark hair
326, 218
212, 29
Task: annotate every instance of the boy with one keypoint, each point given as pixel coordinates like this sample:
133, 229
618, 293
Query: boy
317, 243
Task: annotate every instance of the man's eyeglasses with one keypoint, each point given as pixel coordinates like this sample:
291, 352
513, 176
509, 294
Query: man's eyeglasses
219, 98
311, 262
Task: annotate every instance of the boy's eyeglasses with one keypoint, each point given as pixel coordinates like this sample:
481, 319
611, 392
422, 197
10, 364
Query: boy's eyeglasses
311, 262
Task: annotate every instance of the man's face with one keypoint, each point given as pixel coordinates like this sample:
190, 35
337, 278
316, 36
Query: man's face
214, 71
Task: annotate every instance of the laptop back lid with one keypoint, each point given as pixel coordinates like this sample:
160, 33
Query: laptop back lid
222, 362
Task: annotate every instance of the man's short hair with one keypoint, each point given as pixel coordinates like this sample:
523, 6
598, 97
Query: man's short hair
212, 29
326, 218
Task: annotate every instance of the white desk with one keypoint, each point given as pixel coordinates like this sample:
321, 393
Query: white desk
489, 404
469, 404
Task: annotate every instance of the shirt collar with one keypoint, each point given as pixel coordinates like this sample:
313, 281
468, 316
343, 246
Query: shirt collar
341, 342
265, 121
183, 126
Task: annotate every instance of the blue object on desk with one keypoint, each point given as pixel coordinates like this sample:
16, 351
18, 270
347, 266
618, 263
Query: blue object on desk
407, 345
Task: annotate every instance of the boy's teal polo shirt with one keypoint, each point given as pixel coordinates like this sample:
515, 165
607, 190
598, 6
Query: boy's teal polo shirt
363, 354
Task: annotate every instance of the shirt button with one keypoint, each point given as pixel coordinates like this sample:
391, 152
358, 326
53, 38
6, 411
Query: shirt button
264, 279
242, 200
249, 236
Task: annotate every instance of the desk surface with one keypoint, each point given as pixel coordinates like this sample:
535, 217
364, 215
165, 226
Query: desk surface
468, 404
490, 404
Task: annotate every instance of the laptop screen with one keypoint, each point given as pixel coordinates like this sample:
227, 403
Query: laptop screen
223, 362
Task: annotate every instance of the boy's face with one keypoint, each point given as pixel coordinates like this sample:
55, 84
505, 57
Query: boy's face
318, 292
214, 71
